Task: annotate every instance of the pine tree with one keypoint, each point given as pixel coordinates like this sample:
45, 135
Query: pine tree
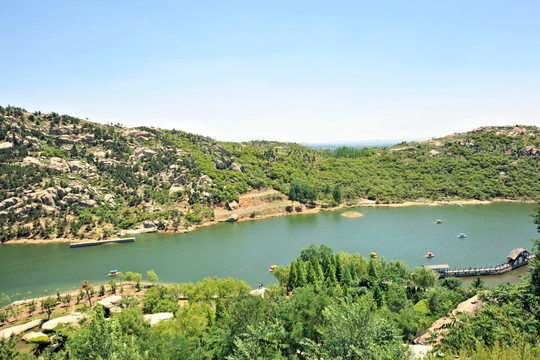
221, 310
300, 274
292, 276
311, 277
319, 275
346, 280
339, 269
331, 275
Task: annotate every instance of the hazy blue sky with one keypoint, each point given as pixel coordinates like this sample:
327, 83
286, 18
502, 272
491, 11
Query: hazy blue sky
303, 71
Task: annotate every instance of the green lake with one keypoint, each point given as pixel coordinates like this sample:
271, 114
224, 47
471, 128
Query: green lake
246, 250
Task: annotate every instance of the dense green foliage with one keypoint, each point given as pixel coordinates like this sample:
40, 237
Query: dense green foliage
327, 306
65, 177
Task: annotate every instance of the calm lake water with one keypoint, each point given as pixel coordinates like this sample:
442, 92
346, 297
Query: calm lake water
246, 250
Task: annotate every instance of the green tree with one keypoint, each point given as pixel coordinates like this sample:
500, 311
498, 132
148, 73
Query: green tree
89, 291
48, 304
356, 331
152, 276
336, 194
101, 340
424, 277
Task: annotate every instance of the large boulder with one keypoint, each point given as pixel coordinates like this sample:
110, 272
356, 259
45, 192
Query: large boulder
220, 165
154, 319
233, 205
29, 160
141, 231
205, 180
6, 145
110, 304
232, 218
48, 199
19, 329
37, 338
59, 164
175, 188
6, 204
237, 167
71, 320
88, 203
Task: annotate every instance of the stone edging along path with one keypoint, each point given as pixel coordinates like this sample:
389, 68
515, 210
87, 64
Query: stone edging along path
27, 314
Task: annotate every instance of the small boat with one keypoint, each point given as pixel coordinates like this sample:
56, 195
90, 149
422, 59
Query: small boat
429, 255
272, 268
438, 221
112, 273
459, 205
373, 255
462, 235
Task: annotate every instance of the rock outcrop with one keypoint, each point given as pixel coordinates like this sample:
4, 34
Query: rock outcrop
71, 320
19, 329
154, 319
37, 338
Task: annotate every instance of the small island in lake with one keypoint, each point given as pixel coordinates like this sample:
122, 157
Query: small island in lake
352, 214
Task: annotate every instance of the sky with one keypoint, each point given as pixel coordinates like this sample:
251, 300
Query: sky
301, 71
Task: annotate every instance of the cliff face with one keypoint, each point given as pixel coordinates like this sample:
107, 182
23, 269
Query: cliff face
63, 177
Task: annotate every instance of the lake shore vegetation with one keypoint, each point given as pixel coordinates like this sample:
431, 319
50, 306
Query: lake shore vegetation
325, 305
68, 179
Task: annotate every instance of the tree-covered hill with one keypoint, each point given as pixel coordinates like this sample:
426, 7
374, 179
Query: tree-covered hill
63, 177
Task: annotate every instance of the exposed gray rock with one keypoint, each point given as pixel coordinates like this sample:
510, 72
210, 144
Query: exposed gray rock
530, 150
205, 180
71, 320
220, 165
111, 303
109, 198
237, 167
71, 199
88, 202
232, 218
60, 193
175, 188
66, 139
59, 130
77, 165
139, 135
19, 329
37, 338
145, 153
233, 205
59, 164
141, 231
29, 160
25, 209
149, 224
6, 204
48, 199
31, 143
420, 351
154, 319
6, 145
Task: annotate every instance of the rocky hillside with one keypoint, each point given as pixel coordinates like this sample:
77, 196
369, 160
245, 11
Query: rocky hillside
63, 177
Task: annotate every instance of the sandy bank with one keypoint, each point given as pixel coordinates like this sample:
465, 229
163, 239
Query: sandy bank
259, 211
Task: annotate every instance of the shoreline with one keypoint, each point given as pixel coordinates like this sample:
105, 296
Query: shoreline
315, 210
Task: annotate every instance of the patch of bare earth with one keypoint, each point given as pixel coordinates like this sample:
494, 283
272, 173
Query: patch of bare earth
259, 204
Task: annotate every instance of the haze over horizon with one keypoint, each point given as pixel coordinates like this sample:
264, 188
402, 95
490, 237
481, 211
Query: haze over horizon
302, 71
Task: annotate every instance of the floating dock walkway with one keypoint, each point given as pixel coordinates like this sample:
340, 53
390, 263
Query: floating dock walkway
517, 258
102, 242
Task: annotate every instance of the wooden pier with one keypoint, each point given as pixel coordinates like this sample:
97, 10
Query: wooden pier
102, 242
517, 258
